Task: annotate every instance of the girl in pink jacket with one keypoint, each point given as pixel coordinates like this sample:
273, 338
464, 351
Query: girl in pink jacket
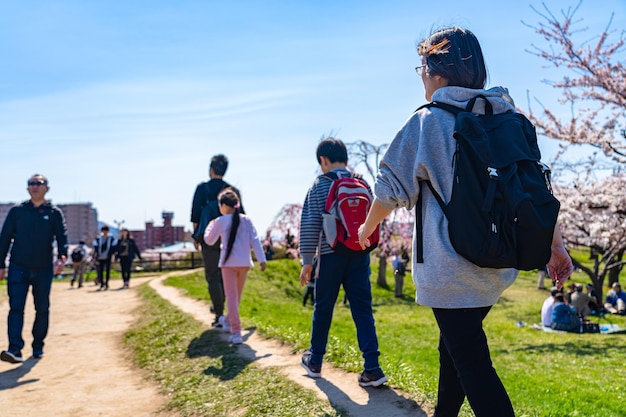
238, 237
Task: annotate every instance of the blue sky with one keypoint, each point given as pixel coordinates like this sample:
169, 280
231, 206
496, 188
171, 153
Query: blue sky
122, 103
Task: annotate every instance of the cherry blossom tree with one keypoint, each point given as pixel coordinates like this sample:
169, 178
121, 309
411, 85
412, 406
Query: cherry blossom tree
594, 88
284, 229
593, 215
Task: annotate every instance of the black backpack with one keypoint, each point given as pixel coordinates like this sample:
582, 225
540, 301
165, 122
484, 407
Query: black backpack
211, 209
502, 213
77, 255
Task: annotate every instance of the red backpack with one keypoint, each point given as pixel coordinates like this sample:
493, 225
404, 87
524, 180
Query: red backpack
347, 205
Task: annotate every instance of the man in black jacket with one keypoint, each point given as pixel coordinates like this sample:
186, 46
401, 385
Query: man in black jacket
205, 199
31, 227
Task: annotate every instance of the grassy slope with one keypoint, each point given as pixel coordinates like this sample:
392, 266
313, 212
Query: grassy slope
546, 374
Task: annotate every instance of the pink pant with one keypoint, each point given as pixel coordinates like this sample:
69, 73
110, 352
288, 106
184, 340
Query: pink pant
234, 279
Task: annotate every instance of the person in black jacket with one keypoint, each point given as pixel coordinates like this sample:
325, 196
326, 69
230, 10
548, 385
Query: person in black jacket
103, 250
31, 227
205, 200
125, 252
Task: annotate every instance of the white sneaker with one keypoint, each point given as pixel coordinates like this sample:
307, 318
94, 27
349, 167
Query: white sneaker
225, 326
235, 339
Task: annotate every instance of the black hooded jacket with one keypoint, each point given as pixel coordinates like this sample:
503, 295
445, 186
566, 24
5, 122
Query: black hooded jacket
32, 230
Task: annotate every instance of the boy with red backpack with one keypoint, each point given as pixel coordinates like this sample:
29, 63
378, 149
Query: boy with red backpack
327, 229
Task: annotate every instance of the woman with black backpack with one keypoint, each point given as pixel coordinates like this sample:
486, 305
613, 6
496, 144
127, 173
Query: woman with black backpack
459, 292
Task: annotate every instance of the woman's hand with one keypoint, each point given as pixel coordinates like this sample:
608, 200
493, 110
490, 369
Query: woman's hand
364, 235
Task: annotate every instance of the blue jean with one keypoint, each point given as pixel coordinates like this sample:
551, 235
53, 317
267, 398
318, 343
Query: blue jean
19, 280
465, 367
353, 274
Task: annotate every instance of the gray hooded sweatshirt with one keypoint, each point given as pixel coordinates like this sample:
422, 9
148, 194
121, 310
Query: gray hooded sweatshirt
423, 149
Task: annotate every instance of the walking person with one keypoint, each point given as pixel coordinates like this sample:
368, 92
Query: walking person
459, 292
103, 249
204, 208
79, 263
125, 252
238, 237
335, 270
30, 231
399, 271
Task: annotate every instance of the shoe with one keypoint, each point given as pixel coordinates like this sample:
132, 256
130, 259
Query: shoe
11, 357
216, 323
373, 378
235, 339
225, 326
314, 371
38, 355
71, 283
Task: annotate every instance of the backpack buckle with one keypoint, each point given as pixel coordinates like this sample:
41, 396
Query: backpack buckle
493, 173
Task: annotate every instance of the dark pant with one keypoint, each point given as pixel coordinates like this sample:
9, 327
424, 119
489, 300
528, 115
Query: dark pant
104, 268
125, 264
465, 368
19, 280
353, 274
309, 293
213, 276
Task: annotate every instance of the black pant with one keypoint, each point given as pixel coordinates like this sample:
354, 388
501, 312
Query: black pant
125, 264
213, 276
104, 266
465, 368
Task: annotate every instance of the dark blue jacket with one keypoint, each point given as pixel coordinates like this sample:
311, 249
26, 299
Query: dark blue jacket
122, 245
32, 230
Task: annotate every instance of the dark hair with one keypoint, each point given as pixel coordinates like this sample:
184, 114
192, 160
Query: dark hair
455, 54
559, 297
128, 236
229, 197
105, 227
219, 163
43, 178
333, 149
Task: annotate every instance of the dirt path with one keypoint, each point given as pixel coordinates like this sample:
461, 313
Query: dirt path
87, 373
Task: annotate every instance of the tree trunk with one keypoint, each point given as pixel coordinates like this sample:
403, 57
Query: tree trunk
382, 272
615, 271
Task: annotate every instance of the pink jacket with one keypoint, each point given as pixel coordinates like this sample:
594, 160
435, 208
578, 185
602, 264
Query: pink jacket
245, 240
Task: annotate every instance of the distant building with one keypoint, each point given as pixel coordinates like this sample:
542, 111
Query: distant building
157, 236
81, 220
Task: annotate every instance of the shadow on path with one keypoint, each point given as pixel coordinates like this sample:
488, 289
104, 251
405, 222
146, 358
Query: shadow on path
11, 378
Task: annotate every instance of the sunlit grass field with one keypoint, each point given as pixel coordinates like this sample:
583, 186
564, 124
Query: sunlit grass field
546, 374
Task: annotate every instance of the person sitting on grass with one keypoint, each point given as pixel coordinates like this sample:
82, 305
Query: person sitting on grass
616, 300
564, 316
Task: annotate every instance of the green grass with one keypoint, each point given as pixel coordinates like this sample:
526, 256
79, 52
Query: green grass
546, 374
202, 375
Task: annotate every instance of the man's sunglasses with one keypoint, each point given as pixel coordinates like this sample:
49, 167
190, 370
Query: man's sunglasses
34, 183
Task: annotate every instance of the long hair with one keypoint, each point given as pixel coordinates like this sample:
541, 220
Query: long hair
230, 198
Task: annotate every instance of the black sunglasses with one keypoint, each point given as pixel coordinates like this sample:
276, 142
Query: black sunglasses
33, 183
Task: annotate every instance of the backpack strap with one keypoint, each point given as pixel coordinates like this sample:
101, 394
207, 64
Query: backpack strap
456, 110
419, 226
